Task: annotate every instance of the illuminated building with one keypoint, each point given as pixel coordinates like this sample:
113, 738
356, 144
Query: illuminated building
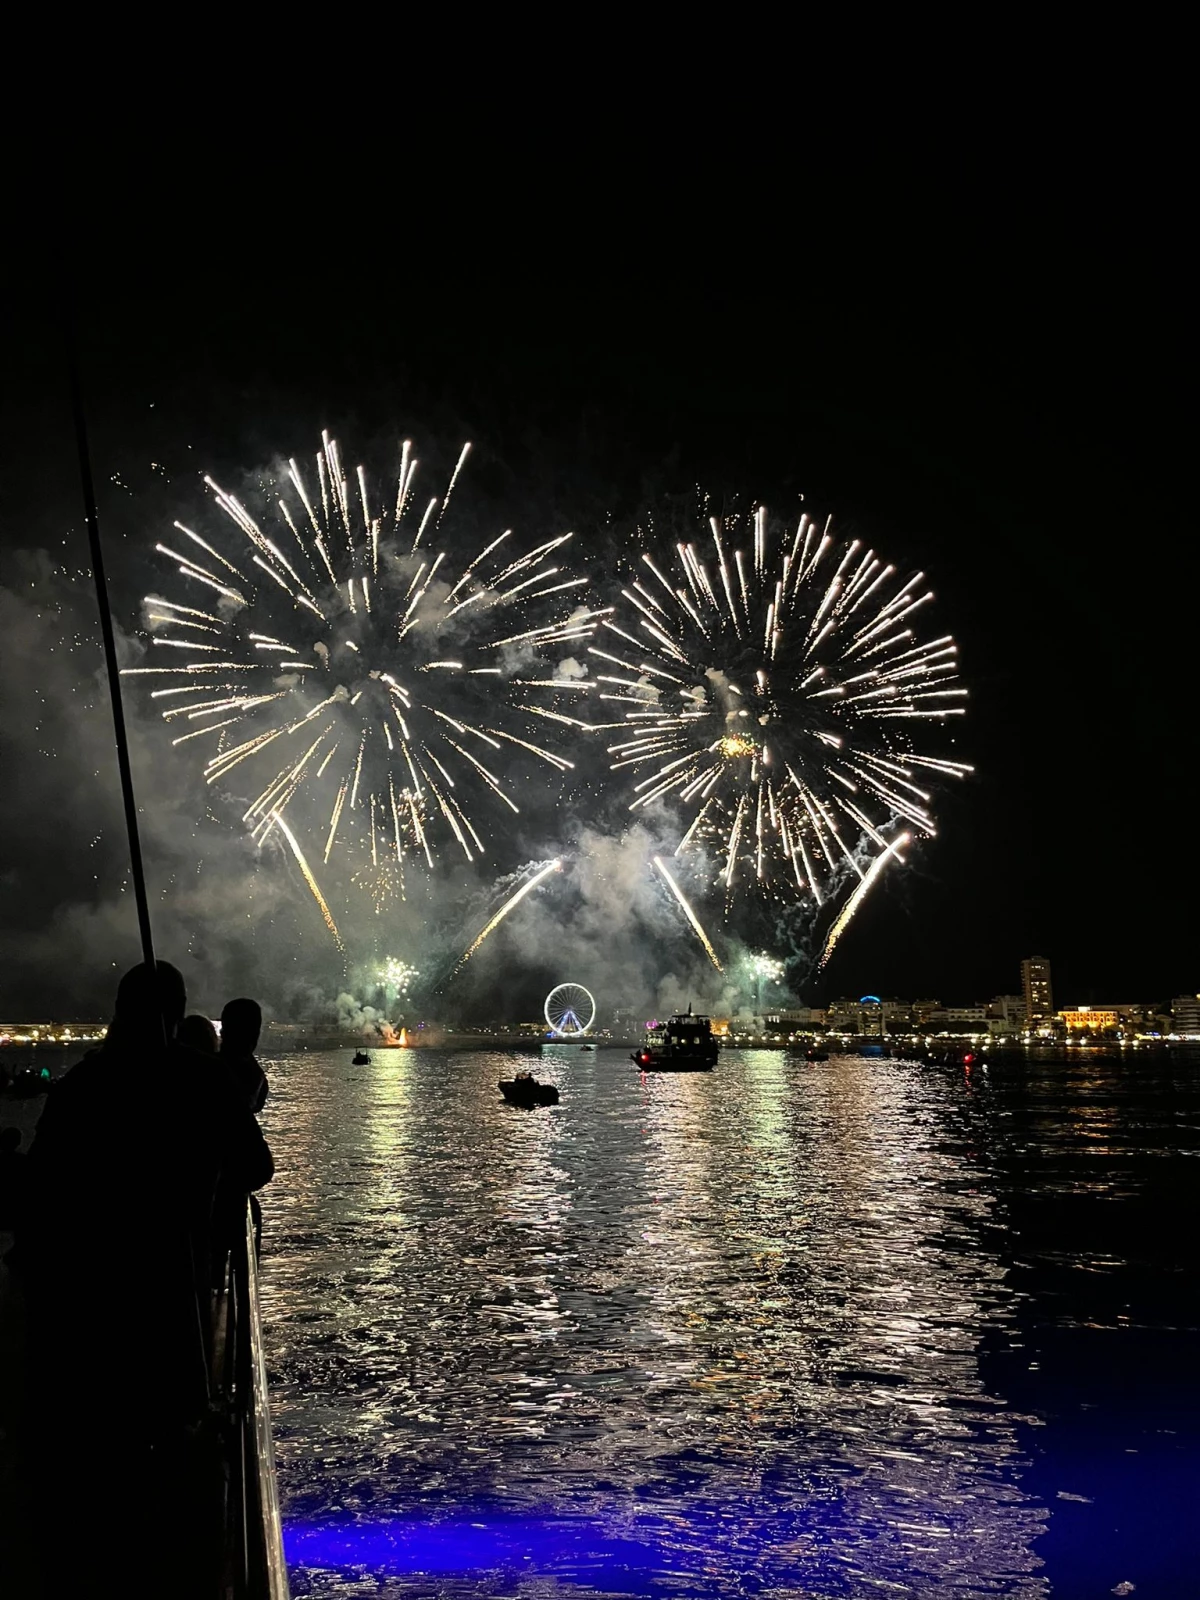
1185, 1014
957, 1019
869, 1016
790, 1020
1090, 1019
1039, 996
966, 1016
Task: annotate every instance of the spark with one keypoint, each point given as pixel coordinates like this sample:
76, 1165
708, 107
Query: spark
688, 912
766, 967
396, 975
381, 881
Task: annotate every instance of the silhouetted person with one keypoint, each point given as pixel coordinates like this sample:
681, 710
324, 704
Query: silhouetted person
113, 1247
241, 1025
197, 1033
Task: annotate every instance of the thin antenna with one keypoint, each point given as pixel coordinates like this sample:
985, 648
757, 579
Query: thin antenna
122, 742
110, 656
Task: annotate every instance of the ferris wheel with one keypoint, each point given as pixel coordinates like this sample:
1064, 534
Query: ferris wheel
570, 1010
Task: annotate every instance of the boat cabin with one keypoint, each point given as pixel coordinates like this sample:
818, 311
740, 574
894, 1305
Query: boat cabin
683, 1031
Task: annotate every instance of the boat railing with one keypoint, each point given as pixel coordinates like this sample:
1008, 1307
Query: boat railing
253, 1565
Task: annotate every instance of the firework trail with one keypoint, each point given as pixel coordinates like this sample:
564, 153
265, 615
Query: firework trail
890, 852
278, 822
688, 912
769, 682
328, 646
509, 905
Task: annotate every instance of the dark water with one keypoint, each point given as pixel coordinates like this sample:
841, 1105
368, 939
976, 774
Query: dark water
841, 1329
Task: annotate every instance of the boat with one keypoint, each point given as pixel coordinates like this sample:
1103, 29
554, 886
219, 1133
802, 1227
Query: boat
816, 1055
684, 1044
523, 1089
584, 1047
361, 1059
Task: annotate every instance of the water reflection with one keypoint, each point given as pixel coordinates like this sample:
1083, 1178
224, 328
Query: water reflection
679, 1335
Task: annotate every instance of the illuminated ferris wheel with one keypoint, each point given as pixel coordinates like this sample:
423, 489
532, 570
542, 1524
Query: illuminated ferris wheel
570, 1010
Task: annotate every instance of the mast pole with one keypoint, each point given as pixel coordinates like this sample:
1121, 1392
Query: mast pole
110, 655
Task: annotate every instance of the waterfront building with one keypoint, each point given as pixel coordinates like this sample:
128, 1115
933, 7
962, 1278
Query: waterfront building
1126, 1018
844, 1016
973, 1016
789, 1021
1039, 995
957, 1019
1185, 1015
1089, 1019
1006, 1013
870, 1016
1139, 1019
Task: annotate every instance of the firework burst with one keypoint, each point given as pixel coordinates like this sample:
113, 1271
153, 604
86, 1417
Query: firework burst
396, 975
769, 682
328, 647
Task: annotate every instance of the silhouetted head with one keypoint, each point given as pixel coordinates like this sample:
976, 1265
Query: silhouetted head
197, 1033
143, 998
241, 1024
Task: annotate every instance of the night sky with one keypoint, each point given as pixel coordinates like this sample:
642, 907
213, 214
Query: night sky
986, 379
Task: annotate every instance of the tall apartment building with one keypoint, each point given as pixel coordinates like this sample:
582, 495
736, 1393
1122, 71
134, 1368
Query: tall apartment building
1185, 1014
1039, 996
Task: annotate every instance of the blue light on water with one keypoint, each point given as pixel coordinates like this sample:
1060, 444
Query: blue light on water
713, 1549
501, 1543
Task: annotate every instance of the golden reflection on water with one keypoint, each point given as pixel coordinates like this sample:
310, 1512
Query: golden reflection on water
754, 1298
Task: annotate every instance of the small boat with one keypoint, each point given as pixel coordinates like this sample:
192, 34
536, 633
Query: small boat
361, 1059
523, 1089
684, 1044
816, 1055
584, 1047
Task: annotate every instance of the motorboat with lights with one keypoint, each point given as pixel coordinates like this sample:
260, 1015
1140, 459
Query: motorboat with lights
684, 1044
523, 1089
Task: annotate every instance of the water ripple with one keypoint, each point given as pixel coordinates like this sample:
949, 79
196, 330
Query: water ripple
704, 1336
